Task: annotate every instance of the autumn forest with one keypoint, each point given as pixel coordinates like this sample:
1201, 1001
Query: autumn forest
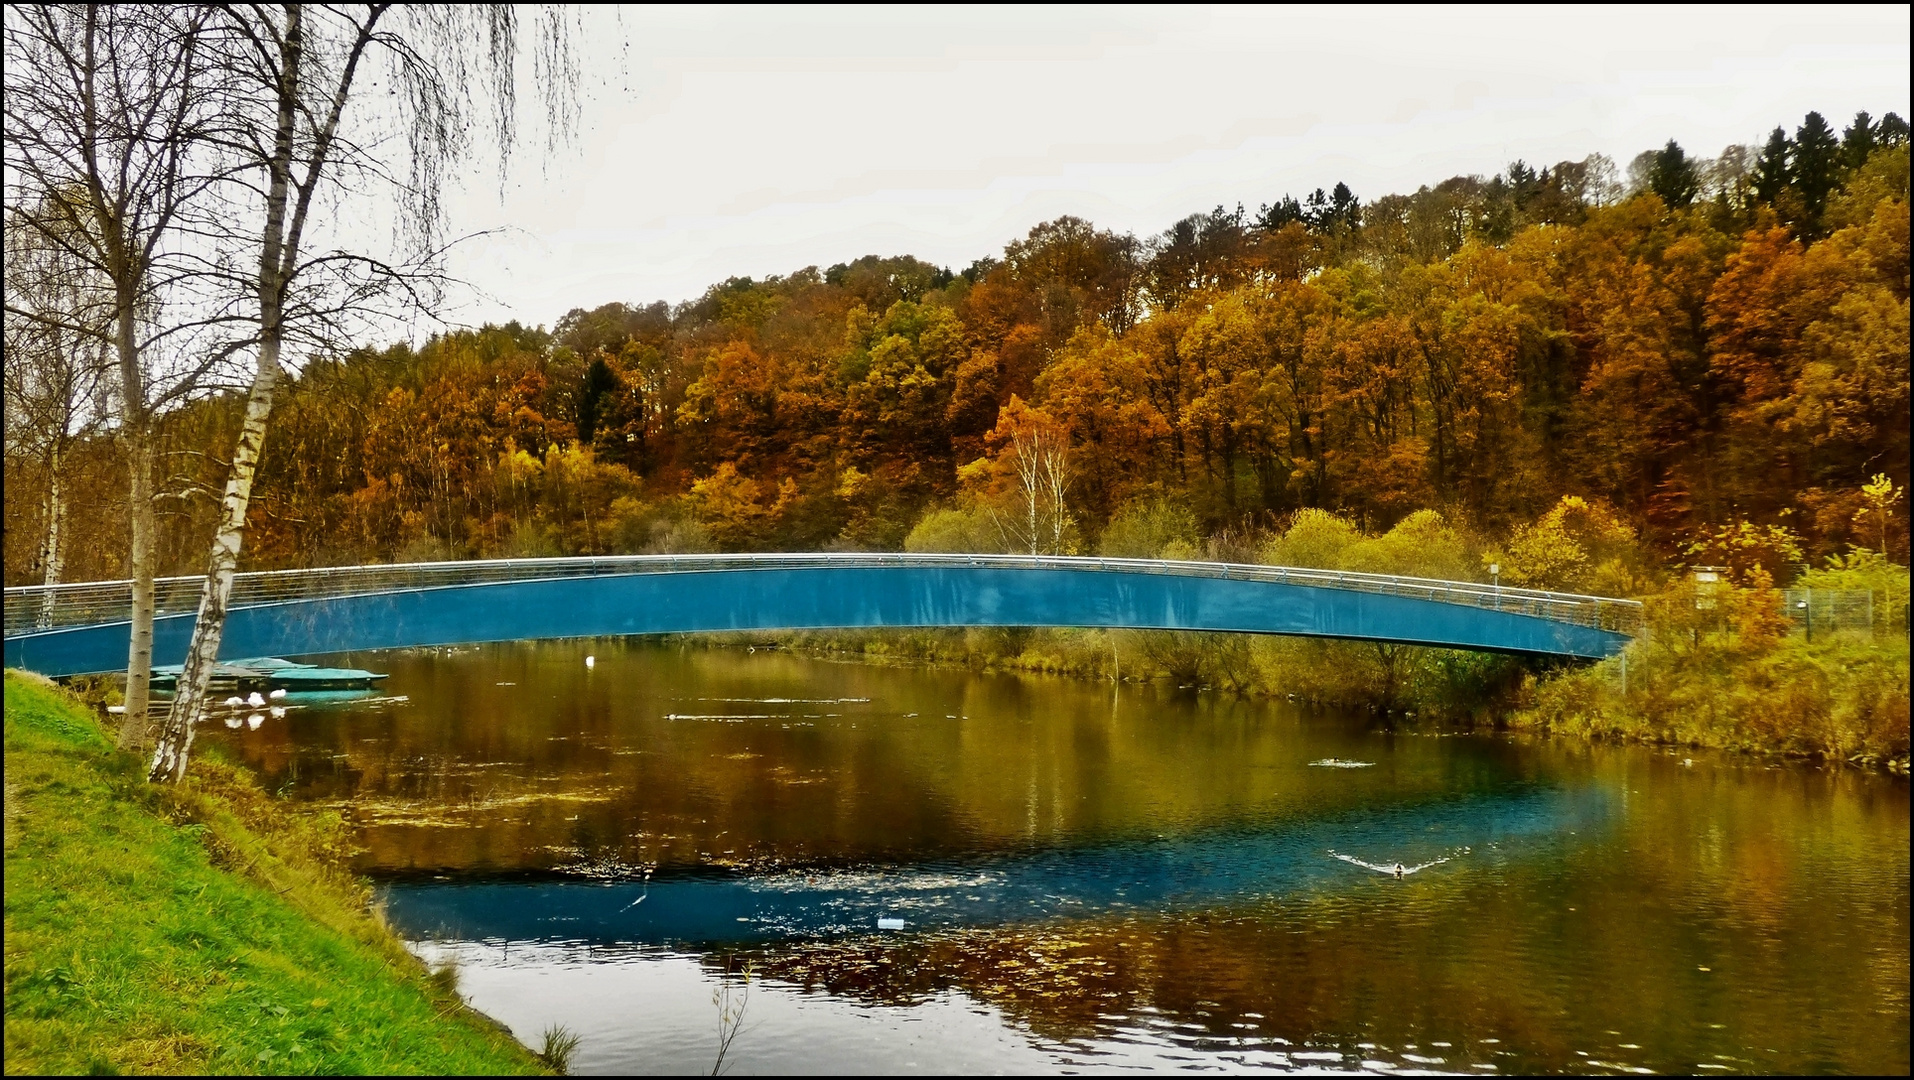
1691, 348
548, 539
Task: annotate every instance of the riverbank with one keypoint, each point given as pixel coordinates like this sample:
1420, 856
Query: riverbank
1746, 689
201, 927
1447, 684
1840, 700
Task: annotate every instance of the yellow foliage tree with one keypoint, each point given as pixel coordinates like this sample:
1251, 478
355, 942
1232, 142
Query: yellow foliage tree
1744, 547
1881, 494
730, 505
1580, 545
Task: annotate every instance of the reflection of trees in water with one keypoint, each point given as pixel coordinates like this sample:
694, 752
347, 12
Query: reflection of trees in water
1295, 969
1549, 963
1255, 977
550, 768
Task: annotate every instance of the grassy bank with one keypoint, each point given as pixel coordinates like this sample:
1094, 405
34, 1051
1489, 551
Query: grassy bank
1742, 683
198, 928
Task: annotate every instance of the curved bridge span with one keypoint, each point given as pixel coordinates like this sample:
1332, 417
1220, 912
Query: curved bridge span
83, 628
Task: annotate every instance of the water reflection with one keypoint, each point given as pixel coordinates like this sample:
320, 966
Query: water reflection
1184, 873
501, 760
1089, 880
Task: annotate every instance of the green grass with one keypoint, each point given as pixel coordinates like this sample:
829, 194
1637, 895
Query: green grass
1844, 699
203, 928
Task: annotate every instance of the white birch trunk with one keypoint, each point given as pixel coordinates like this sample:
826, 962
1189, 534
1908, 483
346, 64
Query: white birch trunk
141, 557
189, 706
53, 554
1056, 484
278, 253
1027, 476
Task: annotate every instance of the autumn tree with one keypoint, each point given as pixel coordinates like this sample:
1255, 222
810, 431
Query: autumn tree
1095, 391
1688, 353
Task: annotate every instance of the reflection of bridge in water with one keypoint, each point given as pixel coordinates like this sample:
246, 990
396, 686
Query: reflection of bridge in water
82, 628
1205, 869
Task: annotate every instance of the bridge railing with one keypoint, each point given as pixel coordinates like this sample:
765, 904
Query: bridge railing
35, 607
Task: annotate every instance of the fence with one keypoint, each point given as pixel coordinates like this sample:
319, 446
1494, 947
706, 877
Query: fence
37, 607
1829, 611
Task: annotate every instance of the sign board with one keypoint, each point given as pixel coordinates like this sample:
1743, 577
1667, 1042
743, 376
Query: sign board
1707, 581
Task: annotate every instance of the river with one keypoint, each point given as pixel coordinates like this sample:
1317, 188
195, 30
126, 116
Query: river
885, 869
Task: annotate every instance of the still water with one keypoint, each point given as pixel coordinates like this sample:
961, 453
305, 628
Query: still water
895, 870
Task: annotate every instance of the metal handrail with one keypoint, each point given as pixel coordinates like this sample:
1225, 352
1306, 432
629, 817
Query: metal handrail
31, 608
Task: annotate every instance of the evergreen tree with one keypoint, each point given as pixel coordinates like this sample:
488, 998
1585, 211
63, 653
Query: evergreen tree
599, 380
1771, 167
1858, 141
1892, 131
1316, 211
1274, 216
1672, 176
1524, 183
1816, 165
1345, 209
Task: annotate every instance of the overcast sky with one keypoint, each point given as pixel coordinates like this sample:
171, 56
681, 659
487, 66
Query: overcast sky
759, 141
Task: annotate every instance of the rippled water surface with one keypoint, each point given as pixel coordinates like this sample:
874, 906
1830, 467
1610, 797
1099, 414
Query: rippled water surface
895, 870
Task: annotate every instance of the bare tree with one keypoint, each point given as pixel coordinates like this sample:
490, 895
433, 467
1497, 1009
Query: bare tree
1039, 457
107, 117
303, 121
55, 372
1056, 476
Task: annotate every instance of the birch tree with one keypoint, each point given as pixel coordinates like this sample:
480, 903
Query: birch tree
312, 126
1038, 459
109, 110
55, 372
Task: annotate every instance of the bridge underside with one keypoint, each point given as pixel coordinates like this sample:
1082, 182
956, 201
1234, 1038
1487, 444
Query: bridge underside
820, 598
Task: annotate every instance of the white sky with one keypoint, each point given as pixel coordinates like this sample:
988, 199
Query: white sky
760, 141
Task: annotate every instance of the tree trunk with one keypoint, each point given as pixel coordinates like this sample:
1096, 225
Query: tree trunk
55, 550
1387, 655
278, 253
136, 424
141, 556
1056, 480
1031, 497
189, 707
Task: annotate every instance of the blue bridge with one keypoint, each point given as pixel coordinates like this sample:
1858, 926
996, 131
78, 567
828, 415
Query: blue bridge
82, 628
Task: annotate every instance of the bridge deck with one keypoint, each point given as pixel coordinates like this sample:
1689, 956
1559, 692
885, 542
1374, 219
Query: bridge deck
71, 629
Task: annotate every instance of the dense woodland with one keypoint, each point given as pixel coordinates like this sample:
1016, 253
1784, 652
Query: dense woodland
1689, 349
